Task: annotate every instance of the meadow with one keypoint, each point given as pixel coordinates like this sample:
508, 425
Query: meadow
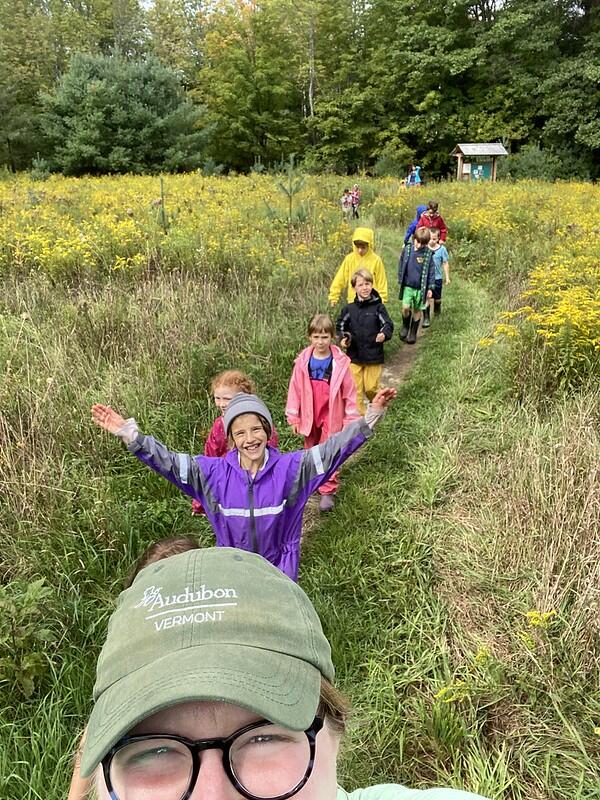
459, 585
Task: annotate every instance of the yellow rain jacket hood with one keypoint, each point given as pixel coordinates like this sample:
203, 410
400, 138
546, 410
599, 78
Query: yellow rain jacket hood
354, 261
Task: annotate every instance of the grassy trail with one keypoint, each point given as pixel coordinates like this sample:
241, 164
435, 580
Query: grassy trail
372, 567
430, 644
457, 578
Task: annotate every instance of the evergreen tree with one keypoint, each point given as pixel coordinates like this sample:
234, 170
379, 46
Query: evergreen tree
113, 115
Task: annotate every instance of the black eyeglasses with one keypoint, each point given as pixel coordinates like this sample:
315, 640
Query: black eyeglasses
264, 761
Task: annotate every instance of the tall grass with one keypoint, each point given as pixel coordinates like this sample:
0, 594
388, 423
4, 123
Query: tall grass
457, 578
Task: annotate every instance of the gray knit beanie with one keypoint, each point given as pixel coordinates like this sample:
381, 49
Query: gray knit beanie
245, 404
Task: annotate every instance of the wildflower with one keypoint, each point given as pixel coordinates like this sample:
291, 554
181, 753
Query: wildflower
537, 619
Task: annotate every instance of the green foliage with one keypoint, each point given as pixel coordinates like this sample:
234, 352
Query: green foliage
394, 161
247, 83
458, 587
347, 86
530, 162
24, 637
40, 169
112, 115
294, 185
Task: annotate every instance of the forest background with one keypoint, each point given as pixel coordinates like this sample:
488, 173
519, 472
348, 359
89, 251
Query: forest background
95, 86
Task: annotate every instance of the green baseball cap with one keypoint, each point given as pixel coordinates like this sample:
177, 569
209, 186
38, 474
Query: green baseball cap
216, 624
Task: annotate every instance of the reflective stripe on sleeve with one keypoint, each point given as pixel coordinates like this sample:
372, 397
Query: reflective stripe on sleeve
184, 467
317, 461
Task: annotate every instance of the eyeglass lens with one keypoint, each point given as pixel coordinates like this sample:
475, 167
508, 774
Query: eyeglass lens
267, 761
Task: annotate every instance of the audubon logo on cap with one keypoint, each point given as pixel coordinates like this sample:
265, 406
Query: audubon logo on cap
179, 606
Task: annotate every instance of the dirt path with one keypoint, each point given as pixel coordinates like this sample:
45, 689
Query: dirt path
398, 366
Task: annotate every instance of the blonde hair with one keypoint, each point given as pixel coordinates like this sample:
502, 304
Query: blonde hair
361, 273
321, 323
234, 378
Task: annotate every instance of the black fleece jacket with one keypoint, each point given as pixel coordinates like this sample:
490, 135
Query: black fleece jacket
362, 320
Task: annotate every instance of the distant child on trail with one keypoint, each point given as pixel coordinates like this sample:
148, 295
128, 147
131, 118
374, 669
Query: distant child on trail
431, 218
410, 231
413, 179
361, 257
322, 396
355, 200
363, 326
224, 387
416, 278
346, 204
442, 274
255, 497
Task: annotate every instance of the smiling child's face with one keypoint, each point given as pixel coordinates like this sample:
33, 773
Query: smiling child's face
250, 439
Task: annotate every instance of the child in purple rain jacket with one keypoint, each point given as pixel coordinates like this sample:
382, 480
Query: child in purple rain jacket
255, 496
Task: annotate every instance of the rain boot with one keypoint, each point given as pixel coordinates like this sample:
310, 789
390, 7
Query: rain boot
327, 502
414, 327
405, 326
437, 308
426, 320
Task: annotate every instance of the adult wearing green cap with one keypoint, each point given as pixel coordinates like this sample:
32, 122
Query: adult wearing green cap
216, 682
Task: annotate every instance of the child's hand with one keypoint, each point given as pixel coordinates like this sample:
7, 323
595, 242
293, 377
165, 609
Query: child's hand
447, 281
380, 338
429, 294
105, 417
383, 398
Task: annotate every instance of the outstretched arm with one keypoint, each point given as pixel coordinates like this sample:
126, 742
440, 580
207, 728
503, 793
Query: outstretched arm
379, 405
178, 468
322, 460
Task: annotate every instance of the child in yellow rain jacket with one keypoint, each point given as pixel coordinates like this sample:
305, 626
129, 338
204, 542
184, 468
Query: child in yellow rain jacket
361, 257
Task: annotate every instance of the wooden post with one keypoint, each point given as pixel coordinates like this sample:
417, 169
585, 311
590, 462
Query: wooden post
493, 168
459, 163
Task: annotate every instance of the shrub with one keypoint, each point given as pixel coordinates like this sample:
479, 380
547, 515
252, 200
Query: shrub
23, 636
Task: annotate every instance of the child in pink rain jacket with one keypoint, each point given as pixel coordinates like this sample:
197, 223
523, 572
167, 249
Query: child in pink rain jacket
322, 394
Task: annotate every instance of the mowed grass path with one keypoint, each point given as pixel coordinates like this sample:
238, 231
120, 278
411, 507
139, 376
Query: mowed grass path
415, 574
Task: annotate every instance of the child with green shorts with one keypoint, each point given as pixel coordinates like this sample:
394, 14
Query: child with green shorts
416, 278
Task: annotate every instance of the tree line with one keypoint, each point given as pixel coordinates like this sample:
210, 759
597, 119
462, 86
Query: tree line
94, 86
